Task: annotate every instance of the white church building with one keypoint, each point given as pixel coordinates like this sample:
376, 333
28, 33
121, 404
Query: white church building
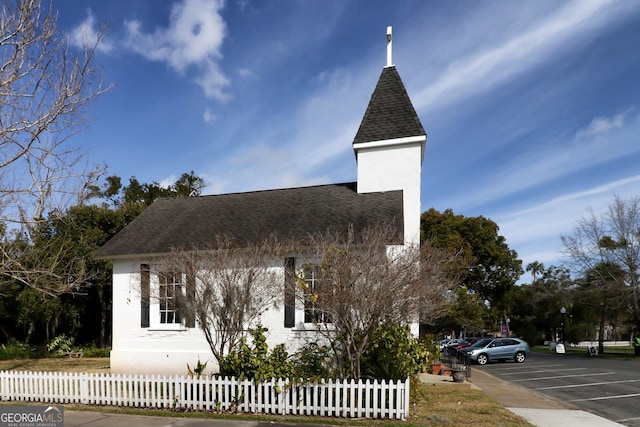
389, 148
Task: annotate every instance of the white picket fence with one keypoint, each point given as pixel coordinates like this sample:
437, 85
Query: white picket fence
362, 399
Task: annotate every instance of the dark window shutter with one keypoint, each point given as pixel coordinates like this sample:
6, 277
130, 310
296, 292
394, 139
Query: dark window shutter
289, 292
190, 291
145, 277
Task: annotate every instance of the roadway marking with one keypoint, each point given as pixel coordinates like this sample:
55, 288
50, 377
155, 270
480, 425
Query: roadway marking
519, 366
562, 376
587, 385
544, 370
620, 396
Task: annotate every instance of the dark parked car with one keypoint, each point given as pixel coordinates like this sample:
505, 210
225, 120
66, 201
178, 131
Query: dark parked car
467, 342
455, 343
490, 349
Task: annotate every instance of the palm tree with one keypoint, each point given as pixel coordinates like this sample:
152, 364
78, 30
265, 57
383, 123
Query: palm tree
535, 268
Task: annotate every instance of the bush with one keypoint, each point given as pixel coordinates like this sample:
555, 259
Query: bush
393, 353
256, 363
60, 345
16, 350
93, 351
313, 362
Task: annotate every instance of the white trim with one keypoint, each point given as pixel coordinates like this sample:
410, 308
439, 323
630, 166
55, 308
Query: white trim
388, 142
167, 327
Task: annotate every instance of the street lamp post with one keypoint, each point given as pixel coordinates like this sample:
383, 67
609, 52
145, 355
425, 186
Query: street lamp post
563, 311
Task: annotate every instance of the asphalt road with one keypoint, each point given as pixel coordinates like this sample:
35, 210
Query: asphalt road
605, 387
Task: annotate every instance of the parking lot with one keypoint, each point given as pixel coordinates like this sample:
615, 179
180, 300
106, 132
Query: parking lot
605, 387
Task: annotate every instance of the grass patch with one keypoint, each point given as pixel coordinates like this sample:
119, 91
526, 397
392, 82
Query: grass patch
431, 405
58, 364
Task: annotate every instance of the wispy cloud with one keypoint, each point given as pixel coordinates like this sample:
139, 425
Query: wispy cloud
244, 72
307, 152
545, 162
533, 229
495, 64
86, 33
193, 39
208, 116
601, 125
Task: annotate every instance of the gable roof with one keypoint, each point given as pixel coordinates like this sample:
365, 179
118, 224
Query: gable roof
293, 213
390, 113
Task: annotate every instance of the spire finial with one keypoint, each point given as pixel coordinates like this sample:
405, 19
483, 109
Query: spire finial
389, 47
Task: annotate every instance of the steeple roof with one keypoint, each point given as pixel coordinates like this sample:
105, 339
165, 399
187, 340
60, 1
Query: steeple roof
390, 113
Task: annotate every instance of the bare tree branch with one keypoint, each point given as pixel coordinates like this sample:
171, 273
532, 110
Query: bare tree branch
365, 283
45, 88
228, 287
610, 239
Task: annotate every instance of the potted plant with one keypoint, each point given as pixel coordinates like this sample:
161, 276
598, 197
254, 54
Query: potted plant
459, 373
436, 364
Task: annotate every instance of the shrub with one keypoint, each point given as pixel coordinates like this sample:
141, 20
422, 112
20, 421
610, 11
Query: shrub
393, 353
313, 362
246, 362
16, 350
93, 351
60, 345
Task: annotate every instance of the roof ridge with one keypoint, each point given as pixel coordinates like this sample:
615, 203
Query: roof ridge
266, 190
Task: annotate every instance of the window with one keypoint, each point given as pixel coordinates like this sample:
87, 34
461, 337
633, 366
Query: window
170, 290
312, 275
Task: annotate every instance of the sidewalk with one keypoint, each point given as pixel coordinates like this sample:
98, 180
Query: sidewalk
98, 419
539, 410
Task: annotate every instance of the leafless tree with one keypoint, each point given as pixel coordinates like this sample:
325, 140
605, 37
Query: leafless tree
363, 283
227, 287
46, 86
612, 238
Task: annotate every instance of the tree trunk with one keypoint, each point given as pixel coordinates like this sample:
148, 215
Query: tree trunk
103, 317
601, 329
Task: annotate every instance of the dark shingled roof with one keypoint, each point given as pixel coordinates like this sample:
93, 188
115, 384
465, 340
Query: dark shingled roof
390, 113
293, 213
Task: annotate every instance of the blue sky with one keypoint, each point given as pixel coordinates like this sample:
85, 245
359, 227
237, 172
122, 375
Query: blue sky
532, 109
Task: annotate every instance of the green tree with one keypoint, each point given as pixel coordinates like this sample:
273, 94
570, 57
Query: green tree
535, 308
536, 268
85, 229
604, 286
466, 312
495, 268
54, 284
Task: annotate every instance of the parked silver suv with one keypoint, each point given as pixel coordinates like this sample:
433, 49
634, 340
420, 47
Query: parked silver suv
489, 349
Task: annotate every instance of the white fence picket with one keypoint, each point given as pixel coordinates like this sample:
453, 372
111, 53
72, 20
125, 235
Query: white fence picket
336, 398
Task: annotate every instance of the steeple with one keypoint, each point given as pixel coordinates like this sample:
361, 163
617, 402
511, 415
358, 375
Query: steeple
389, 145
